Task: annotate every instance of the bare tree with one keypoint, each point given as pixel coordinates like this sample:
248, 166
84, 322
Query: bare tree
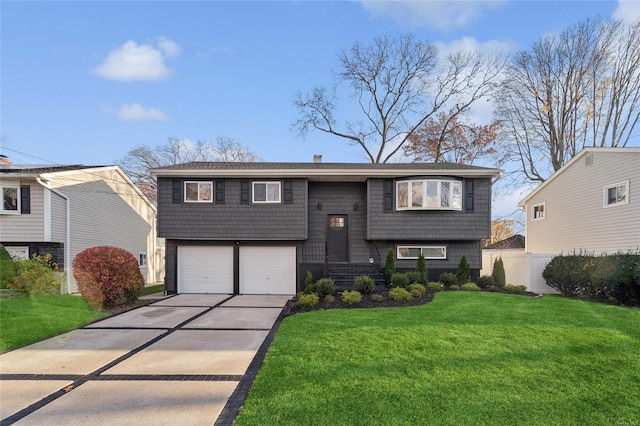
139, 160
575, 89
397, 84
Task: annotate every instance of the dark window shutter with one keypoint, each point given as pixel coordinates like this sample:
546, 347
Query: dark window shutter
468, 195
388, 195
25, 199
177, 191
288, 191
245, 193
219, 191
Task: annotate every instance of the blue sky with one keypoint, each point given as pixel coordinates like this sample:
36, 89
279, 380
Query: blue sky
85, 82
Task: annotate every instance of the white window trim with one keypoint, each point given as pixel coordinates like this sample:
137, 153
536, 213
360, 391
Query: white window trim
425, 183
18, 252
398, 256
14, 186
606, 195
199, 182
266, 183
533, 211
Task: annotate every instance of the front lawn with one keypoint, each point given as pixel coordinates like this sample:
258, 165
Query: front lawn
465, 358
28, 319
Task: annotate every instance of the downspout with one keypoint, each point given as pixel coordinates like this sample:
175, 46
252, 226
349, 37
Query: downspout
67, 243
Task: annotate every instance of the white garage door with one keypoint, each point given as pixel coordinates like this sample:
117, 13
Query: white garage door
205, 269
267, 270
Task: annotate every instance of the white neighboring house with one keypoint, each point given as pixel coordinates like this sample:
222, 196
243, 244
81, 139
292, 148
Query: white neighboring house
64, 210
591, 204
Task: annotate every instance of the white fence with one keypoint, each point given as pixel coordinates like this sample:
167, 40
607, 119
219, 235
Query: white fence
520, 268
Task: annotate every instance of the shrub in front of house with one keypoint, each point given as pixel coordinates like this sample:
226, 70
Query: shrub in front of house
351, 297
486, 281
377, 298
325, 286
417, 289
569, 274
498, 273
7, 268
421, 270
517, 289
463, 273
107, 276
400, 280
435, 286
400, 294
364, 284
469, 287
454, 287
329, 299
307, 300
309, 285
389, 267
38, 276
448, 279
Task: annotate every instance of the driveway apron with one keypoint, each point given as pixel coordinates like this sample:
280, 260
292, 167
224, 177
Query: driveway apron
188, 359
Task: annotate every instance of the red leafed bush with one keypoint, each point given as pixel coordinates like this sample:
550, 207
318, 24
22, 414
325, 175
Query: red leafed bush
107, 276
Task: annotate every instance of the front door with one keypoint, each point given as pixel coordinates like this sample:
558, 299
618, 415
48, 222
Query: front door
337, 238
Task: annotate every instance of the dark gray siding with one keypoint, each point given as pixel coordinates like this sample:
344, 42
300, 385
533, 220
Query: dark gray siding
336, 198
429, 225
232, 220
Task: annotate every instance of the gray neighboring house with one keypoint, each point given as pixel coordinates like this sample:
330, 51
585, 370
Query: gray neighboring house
258, 228
592, 203
63, 210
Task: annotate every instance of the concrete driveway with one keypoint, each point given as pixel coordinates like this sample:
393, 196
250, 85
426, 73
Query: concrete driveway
187, 359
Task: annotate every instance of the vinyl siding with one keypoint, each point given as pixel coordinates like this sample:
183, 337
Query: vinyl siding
575, 218
107, 211
58, 218
429, 224
232, 220
25, 227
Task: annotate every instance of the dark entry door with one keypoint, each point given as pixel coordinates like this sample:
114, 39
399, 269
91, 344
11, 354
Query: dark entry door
337, 238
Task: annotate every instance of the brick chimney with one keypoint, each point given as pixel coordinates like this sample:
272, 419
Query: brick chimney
317, 158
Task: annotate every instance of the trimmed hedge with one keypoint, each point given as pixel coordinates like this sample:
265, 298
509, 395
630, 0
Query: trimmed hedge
601, 278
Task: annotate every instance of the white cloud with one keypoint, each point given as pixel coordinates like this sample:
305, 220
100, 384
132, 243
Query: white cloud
136, 112
442, 15
133, 62
628, 10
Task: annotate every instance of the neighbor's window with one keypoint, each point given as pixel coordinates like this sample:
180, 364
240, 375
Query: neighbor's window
429, 252
142, 259
10, 199
538, 211
617, 194
429, 194
266, 192
198, 192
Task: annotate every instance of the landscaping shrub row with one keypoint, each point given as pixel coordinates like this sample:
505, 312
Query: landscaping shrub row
610, 278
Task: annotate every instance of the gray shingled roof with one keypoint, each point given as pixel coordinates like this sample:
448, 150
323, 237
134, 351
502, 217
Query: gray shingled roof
37, 169
203, 165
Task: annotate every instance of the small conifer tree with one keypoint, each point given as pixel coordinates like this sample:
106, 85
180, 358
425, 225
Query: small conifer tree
498, 273
421, 270
389, 266
463, 273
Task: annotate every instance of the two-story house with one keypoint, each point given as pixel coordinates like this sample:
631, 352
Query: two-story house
258, 228
62, 210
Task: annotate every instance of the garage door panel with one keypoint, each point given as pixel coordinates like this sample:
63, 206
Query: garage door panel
267, 270
205, 269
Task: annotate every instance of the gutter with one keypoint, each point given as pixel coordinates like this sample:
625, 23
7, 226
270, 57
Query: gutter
67, 243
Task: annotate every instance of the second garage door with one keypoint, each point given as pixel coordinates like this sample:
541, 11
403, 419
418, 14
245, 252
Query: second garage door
267, 270
205, 269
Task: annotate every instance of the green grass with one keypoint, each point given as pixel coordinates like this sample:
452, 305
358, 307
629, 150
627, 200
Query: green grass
29, 319
463, 359
152, 289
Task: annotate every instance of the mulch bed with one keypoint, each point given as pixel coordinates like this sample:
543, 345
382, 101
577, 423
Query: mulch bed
367, 303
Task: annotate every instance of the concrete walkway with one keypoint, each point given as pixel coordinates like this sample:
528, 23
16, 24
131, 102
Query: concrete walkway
187, 359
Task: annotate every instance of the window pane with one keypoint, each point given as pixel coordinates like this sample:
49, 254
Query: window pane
444, 194
337, 222
259, 192
432, 195
402, 194
273, 192
456, 201
10, 199
612, 195
205, 191
417, 194
621, 194
408, 252
433, 252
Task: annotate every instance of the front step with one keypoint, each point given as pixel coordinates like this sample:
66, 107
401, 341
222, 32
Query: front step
343, 274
